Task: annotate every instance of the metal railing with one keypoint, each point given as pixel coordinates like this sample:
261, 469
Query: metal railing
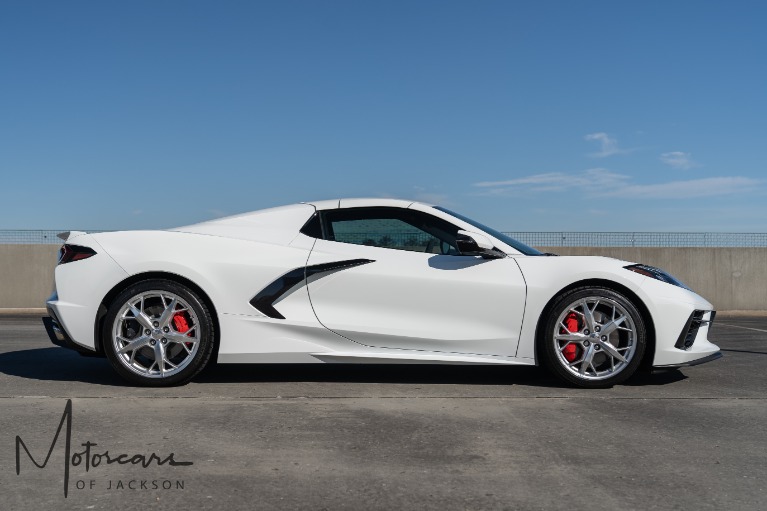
34, 236
641, 239
534, 239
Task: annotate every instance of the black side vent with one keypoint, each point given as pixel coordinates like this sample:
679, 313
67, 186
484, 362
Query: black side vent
264, 300
690, 331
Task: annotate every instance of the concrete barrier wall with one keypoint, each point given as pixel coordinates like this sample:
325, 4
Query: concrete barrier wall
26, 275
731, 278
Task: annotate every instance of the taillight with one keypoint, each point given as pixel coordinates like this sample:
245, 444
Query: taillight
69, 253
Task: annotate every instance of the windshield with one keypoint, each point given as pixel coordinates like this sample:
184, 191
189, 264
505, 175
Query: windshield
496, 234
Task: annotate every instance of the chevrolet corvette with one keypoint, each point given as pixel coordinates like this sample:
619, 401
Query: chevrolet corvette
369, 281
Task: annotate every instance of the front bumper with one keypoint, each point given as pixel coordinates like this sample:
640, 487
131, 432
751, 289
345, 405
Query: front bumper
713, 356
692, 346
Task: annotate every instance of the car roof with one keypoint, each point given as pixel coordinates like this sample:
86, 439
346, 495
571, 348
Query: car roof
278, 223
363, 202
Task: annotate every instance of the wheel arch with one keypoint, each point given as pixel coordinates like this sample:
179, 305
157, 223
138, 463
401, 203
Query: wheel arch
649, 353
140, 277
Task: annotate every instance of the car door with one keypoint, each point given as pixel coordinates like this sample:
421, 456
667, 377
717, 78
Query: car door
405, 285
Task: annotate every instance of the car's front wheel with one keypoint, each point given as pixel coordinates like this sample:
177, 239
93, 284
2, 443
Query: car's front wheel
158, 333
594, 337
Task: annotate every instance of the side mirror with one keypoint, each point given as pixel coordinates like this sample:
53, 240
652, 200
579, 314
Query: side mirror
475, 244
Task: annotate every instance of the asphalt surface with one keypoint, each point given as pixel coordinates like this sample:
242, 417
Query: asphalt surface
383, 437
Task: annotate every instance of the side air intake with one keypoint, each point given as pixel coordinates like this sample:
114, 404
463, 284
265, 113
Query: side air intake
690, 331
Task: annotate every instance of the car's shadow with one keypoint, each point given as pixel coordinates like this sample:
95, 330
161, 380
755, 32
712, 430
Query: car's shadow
58, 364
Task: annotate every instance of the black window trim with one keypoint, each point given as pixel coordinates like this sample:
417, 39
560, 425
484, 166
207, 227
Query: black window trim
308, 227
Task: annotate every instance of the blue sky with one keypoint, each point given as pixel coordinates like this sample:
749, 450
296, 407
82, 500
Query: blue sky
536, 115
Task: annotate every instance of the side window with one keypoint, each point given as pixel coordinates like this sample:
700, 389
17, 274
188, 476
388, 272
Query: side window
394, 228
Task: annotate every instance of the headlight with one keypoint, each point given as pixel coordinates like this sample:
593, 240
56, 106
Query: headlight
657, 274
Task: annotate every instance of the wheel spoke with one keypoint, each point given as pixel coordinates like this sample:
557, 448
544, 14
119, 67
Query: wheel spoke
167, 314
613, 325
159, 357
181, 338
588, 314
588, 357
133, 344
140, 315
570, 337
614, 353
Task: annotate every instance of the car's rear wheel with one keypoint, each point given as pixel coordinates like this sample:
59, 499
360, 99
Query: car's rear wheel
158, 333
594, 337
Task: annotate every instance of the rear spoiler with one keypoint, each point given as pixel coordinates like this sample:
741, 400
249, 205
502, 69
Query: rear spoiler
69, 234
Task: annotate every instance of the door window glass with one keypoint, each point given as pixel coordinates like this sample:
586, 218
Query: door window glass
394, 228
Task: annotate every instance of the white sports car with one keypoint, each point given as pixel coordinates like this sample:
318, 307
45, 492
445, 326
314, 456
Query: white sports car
364, 281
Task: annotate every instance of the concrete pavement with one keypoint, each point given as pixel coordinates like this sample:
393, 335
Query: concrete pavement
384, 437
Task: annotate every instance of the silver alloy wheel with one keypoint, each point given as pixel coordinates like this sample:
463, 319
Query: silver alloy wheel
603, 343
156, 334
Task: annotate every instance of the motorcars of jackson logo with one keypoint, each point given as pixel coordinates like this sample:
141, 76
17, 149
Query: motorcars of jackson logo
94, 458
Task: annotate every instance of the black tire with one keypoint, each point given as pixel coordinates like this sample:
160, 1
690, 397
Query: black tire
572, 363
186, 345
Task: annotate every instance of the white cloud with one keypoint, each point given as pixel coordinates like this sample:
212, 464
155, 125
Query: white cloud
537, 179
692, 188
558, 181
604, 183
608, 145
423, 194
439, 199
420, 194
678, 160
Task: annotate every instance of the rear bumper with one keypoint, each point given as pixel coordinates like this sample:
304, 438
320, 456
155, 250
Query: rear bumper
56, 334
59, 336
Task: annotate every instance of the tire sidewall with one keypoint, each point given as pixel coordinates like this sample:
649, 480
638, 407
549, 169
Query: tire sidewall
207, 333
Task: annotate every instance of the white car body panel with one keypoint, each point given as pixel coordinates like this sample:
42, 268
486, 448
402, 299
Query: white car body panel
223, 269
669, 306
78, 297
420, 301
405, 307
273, 225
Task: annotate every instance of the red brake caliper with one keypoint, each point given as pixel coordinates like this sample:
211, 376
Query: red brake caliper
181, 324
179, 321
570, 351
